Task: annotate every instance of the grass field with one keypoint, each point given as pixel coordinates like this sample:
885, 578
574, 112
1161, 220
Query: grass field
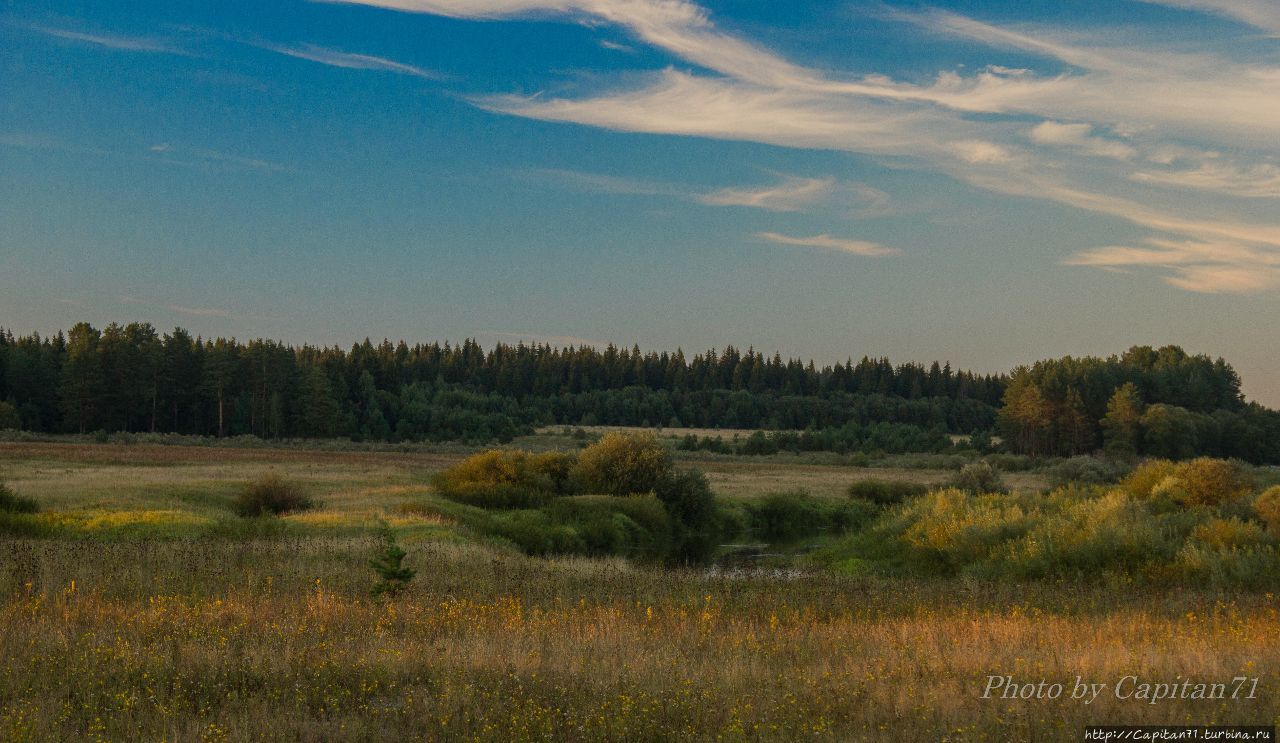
149, 611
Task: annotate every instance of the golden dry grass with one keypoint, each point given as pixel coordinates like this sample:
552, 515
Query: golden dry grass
506, 648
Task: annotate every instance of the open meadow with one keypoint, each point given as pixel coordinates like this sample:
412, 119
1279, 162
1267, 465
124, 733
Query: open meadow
136, 605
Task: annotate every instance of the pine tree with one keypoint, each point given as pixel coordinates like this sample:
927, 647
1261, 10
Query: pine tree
393, 576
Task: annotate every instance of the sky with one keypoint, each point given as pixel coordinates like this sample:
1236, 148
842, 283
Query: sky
987, 182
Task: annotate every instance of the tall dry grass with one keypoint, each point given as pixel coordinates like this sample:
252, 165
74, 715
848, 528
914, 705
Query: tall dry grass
278, 639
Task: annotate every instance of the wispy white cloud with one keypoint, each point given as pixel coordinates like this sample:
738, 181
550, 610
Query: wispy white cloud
1197, 267
602, 183
971, 126
208, 158
677, 102
1080, 137
110, 41
827, 242
1261, 14
350, 61
616, 47
1257, 181
790, 195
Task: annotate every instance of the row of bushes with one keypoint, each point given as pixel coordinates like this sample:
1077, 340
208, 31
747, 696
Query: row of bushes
892, 438
1202, 520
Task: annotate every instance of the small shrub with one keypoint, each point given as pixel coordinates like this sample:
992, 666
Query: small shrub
1011, 462
271, 495
978, 477
885, 492
1085, 470
1226, 534
1143, 480
11, 502
1213, 482
951, 528
393, 576
1267, 506
623, 464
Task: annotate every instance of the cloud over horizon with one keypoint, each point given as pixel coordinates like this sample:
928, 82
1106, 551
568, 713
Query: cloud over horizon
827, 242
1106, 112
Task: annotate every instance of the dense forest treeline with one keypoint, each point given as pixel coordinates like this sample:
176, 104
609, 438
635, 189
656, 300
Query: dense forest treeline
133, 378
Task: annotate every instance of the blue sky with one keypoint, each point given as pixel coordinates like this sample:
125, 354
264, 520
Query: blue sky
984, 182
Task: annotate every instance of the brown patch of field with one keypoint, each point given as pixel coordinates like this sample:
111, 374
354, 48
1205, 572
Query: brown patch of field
675, 433
748, 477
162, 455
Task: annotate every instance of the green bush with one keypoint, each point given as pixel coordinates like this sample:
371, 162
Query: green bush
9, 418
1085, 470
623, 464
1011, 462
978, 477
536, 533
885, 492
785, 517
11, 502
1090, 536
638, 526
507, 478
271, 495
1252, 567
688, 500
